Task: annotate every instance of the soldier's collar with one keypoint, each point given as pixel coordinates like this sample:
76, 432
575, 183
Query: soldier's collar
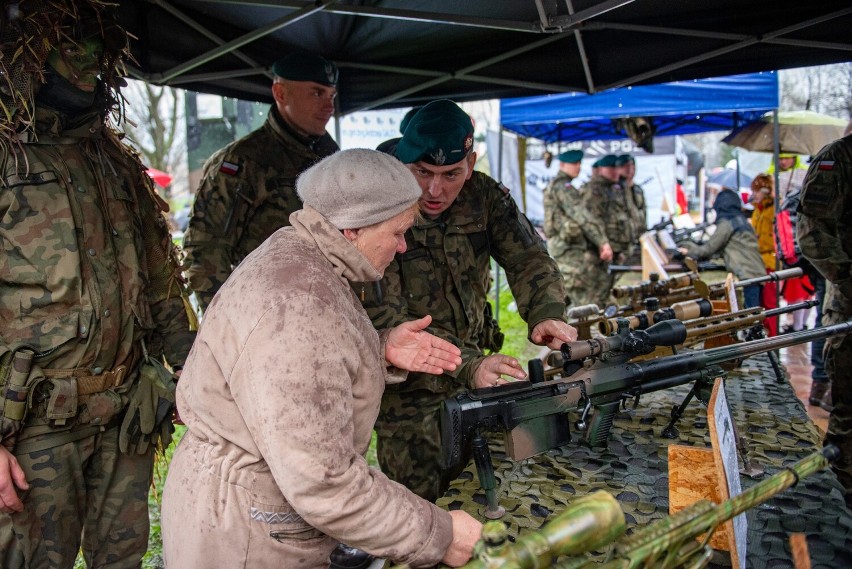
281, 123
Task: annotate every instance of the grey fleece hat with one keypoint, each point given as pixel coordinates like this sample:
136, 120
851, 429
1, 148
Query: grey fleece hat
358, 187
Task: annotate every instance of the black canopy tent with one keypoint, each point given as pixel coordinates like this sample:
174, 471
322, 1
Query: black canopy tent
396, 53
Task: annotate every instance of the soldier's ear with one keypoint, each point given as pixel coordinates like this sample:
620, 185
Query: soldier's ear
279, 93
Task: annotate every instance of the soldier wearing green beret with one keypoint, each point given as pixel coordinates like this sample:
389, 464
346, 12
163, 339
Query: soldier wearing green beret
635, 195
247, 188
91, 301
566, 220
445, 271
610, 233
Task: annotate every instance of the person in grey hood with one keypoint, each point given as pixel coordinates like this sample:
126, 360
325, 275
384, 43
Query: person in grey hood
283, 386
736, 241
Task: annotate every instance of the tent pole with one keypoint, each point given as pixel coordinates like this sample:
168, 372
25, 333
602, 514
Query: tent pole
776, 151
498, 177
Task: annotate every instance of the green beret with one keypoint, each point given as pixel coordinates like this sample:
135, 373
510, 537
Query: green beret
439, 134
607, 161
597, 163
306, 67
624, 159
571, 156
389, 146
403, 124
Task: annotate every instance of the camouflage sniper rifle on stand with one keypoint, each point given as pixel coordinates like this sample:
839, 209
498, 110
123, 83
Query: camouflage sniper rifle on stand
596, 520
597, 379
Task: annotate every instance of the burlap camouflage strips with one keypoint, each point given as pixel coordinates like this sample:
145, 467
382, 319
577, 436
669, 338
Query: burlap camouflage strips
634, 469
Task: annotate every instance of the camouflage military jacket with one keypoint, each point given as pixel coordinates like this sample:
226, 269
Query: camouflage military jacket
823, 228
563, 219
87, 267
638, 210
607, 205
446, 271
738, 249
247, 192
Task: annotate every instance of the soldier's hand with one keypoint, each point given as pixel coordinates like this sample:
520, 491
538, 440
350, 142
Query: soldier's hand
466, 532
411, 348
553, 333
11, 478
606, 252
492, 369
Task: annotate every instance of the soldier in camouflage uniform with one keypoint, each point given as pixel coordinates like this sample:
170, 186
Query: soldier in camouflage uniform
445, 272
247, 189
825, 238
90, 298
565, 223
634, 194
604, 199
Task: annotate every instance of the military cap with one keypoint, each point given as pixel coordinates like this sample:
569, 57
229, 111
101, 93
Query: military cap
439, 134
624, 159
571, 156
306, 67
607, 161
597, 163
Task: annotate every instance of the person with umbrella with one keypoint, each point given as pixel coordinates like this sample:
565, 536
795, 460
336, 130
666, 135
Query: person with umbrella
791, 173
791, 176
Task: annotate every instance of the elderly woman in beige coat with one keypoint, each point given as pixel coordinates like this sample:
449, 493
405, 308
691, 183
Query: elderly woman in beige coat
283, 385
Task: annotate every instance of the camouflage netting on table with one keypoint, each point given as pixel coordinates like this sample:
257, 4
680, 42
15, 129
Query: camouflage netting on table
634, 470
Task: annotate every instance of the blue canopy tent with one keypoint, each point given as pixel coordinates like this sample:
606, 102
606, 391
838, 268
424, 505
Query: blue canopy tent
681, 107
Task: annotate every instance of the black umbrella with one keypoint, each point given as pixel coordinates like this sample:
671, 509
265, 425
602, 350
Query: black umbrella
727, 178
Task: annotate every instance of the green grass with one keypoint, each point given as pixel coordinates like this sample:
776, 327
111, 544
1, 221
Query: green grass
515, 344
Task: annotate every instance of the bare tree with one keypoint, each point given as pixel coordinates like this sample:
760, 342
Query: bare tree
156, 127
824, 89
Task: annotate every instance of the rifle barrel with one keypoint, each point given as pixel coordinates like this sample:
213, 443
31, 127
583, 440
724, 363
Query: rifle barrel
771, 277
790, 308
701, 358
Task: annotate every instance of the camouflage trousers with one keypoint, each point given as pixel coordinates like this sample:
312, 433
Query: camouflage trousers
85, 490
408, 444
586, 278
838, 362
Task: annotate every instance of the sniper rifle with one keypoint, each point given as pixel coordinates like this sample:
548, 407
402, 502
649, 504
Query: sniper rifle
597, 379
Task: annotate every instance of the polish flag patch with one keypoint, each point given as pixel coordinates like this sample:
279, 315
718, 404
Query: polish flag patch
229, 168
825, 165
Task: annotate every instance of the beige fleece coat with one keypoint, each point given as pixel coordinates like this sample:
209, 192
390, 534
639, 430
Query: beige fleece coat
279, 395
